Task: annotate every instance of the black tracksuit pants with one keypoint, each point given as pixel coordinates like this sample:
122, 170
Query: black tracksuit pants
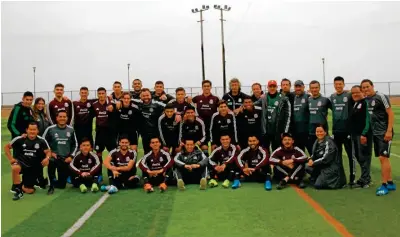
343, 139
363, 154
191, 177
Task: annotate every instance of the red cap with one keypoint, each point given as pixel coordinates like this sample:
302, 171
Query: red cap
272, 82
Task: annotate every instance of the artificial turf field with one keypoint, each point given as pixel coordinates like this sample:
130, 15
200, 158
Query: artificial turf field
248, 211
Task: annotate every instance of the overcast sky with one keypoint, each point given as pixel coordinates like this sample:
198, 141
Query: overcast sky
90, 43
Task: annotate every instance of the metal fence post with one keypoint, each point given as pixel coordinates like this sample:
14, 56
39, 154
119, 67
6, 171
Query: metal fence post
389, 88
2, 99
48, 96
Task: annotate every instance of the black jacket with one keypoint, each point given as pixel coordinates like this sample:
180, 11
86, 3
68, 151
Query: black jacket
359, 122
19, 119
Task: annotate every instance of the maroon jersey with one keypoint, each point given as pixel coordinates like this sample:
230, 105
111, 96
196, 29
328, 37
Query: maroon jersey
119, 160
54, 106
82, 114
150, 161
221, 156
253, 158
179, 107
101, 113
206, 106
282, 154
85, 163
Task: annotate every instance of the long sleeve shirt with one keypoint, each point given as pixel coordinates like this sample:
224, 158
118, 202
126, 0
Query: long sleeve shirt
19, 120
192, 130
223, 124
281, 154
221, 156
256, 158
54, 106
62, 141
151, 161
191, 158
89, 163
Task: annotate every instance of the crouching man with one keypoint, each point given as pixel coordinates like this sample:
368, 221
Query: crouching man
253, 161
155, 166
85, 165
191, 166
121, 165
289, 161
222, 162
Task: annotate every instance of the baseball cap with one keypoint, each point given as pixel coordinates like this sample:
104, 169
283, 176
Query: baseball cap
298, 83
272, 82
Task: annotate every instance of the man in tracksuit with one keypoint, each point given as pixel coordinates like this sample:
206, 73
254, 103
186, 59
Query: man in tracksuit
159, 94
150, 113
360, 131
289, 162
223, 121
192, 128
180, 103
318, 106
21, 116
341, 105
169, 130
276, 116
137, 89
234, 97
222, 163
248, 122
60, 103
191, 166
85, 166
63, 144
301, 116
83, 118
253, 162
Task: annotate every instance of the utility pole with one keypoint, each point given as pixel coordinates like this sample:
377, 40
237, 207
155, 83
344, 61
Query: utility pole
196, 10
34, 82
222, 9
323, 71
129, 81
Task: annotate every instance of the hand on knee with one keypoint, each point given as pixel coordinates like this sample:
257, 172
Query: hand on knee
16, 169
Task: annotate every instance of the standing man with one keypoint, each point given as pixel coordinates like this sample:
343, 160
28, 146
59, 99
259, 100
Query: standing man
155, 166
248, 122
286, 84
150, 113
85, 166
256, 91
83, 120
29, 152
159, 94
63, 144
21, 115
382, 118
341, 106
137, 88
60, 103
301, 116
222, 122
117, 92
361, 137
192, 128
318, 106
179, 103
191, 166
169, 130
234, 97
206, 106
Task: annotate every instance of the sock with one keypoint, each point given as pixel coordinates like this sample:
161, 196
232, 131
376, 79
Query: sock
390, 182
384, 184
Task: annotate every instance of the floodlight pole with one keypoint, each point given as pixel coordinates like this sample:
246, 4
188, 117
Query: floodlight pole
34, 82
129, 81
323, 72
196, 10
222, 9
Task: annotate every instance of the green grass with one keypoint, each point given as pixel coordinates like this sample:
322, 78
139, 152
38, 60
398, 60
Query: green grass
215, 212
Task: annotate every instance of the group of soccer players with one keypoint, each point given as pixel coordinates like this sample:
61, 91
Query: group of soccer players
260, 138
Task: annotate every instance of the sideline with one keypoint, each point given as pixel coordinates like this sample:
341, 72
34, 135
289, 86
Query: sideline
79, 223
339, 227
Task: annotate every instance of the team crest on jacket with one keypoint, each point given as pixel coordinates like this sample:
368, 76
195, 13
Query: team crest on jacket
319, 103
37, 146
240, 100
303, 101
88, 105
68, 134
228, 121
196, 127
151, 109
128, 159
373, 103
90, 161
321, 152
78, 107
130, 112
211, 101
334, 100
345, 99
161, 159
359, 106
276, 103
255, 115
24, 145
66, 104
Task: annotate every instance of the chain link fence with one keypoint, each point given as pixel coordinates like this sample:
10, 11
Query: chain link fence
11, 98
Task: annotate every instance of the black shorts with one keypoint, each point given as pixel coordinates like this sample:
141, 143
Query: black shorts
132, 137
381, 147
105, 138
29, 176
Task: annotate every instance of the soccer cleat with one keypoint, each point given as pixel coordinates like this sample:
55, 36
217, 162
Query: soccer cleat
13, 188
100, 179
391, 187
148, 188
236, 184
213, 183
302, 185
268, 185
18, 194
94, 188
69, 180
112, 189
83, 188
382, 190
163, 187
352, 184
203, 184
104, 188
181, 184
281, 185
226, 183
50, 191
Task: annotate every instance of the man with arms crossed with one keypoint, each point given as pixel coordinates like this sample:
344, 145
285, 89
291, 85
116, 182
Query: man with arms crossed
83, 120
192, 128
29, 152
382, 118
60, 103
223, 121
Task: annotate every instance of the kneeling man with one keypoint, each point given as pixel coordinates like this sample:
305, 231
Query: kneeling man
191, 166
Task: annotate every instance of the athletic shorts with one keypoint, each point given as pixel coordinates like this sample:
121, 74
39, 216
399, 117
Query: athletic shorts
29, 176
381, 147
105, 138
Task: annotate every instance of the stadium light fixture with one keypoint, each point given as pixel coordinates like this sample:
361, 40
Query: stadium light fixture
196, 10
